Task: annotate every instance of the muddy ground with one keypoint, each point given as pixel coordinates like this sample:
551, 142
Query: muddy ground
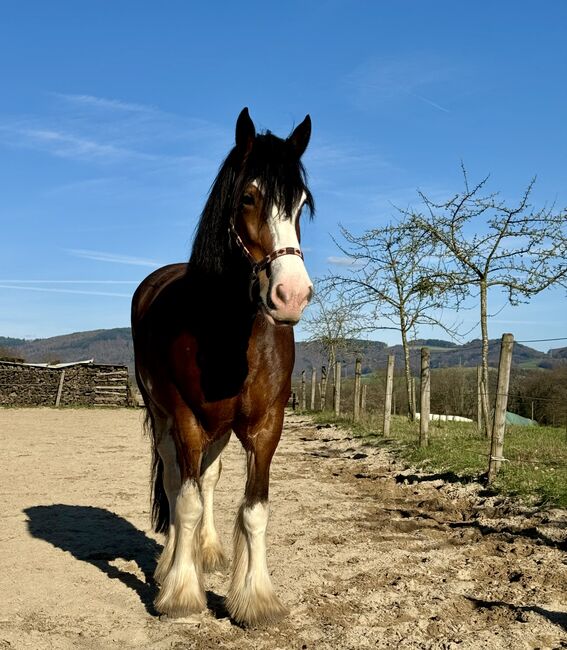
364, 553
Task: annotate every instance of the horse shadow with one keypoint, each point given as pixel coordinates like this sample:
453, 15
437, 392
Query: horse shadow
555, 617
101, 538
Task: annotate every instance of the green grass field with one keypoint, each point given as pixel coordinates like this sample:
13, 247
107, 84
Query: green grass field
535, 470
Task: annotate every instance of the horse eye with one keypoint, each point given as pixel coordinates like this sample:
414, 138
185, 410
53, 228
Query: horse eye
248, 199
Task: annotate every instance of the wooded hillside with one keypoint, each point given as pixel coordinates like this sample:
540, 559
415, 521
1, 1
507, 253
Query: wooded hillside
115, 346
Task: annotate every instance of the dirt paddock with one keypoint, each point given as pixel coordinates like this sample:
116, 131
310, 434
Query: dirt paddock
364, 554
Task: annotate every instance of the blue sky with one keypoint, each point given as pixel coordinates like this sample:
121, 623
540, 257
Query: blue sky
116, 115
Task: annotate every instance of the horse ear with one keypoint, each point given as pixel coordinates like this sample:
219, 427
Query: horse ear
300, 136
245, 132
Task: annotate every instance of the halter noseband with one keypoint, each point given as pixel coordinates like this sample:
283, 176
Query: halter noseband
265, 261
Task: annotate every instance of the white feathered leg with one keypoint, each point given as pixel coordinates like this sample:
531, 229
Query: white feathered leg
171, 484
211, 548
182, 591
251, 598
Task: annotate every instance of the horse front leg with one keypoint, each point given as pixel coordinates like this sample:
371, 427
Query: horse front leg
251, 599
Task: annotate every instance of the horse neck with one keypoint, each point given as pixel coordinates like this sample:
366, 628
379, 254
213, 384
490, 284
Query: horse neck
226, 296
221, 316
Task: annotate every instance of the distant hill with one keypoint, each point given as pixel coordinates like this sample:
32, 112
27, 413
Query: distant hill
444, 354
115, 346
104, 346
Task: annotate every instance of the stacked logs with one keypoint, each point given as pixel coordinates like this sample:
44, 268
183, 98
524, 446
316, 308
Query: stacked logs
81, 384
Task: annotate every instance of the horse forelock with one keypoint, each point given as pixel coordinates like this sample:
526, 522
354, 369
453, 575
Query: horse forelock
274, 166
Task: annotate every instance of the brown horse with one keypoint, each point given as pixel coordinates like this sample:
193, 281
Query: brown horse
214, 350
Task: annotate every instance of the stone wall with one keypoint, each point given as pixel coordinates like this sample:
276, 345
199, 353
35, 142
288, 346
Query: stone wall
79, 385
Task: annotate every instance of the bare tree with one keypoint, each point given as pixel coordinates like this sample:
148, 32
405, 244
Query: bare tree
401, 280
334, 319
486, 243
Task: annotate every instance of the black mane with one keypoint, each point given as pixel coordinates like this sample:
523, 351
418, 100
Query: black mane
273, 162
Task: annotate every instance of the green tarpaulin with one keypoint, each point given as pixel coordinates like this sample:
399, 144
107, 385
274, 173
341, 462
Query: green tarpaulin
514, 418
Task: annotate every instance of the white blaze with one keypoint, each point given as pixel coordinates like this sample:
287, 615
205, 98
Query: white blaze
288, 271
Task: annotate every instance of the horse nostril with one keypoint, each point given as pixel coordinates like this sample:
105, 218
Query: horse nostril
309, 295
281, 294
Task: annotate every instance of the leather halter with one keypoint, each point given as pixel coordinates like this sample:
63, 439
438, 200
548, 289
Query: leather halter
265, 261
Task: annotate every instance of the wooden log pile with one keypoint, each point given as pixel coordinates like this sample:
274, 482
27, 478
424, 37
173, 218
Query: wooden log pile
82, 384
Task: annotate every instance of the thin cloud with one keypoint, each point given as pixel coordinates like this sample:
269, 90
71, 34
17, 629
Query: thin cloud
378, 81
106, 104
86, 185
141, 120
333, 155
111, 131
431, 103
113, 258
68, 145
68, 281
343, 261
73, 291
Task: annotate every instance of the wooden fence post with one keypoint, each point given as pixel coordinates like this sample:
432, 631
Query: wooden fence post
424, 405
313, 387
357, 375
388, 397
60, 389
323, 388
394, 407
302, 391
499, 421
337, 392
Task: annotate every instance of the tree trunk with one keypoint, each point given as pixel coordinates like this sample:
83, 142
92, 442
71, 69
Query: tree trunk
407, 371
389, 395
357, 384
484, 333
425, 393
337, 389
332, 360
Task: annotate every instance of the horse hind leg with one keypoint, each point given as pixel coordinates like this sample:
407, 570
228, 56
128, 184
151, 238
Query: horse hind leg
212, 553
182, 592
180, 569
251, 599
164, 514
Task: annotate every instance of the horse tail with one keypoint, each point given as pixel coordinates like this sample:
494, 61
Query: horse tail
160, 504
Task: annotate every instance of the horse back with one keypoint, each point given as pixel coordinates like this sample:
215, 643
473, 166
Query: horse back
150, 288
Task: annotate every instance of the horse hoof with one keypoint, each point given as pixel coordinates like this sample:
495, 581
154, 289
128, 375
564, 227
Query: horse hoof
255, 610
213, 559
178, 603
178, 609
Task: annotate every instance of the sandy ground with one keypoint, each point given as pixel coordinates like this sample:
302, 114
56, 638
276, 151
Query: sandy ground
364, 554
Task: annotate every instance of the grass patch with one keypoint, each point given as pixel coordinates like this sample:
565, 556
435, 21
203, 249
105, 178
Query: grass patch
536, 469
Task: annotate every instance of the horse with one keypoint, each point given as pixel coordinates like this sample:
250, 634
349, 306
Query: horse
214, 352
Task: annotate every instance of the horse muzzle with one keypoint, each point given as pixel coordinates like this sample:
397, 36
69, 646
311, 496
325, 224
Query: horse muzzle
285, 303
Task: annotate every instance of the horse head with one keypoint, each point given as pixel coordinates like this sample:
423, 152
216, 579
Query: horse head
271, 195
